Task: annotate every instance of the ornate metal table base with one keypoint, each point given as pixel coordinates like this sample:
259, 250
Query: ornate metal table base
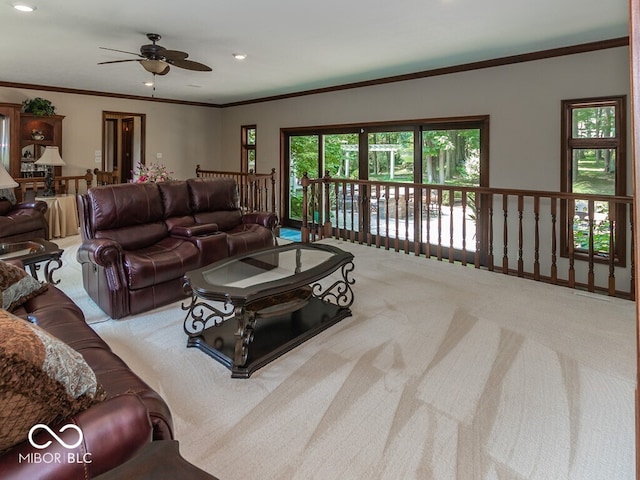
247, 337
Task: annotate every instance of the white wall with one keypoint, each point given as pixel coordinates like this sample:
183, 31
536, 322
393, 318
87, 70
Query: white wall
523, 101
185, 135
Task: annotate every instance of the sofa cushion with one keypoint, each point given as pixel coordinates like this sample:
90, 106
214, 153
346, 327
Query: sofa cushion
175, 198
115, 206
213, 194
17, 286
165, 260
42, 380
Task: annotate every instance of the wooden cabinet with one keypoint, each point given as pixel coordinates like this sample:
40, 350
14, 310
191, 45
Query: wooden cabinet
36, 133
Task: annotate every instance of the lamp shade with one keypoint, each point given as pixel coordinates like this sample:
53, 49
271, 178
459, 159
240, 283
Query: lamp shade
5, 179
51, 156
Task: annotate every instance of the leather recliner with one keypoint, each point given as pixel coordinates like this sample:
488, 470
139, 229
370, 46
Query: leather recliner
23, 221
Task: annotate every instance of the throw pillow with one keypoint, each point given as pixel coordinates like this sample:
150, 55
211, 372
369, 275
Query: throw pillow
42, 380
17, 286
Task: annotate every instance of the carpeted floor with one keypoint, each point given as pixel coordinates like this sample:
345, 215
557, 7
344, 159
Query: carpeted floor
443, 372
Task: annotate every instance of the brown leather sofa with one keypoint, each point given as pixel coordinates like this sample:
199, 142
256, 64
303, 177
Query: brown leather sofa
114, 429
139, 239
23, 221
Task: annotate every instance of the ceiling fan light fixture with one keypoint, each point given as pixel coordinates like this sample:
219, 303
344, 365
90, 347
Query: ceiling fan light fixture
23, 7
154, 66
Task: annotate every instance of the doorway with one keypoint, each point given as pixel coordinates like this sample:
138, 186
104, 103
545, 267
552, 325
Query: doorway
123, 143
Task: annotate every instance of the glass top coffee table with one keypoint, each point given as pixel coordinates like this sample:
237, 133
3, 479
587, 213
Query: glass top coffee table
248, 310
33, 252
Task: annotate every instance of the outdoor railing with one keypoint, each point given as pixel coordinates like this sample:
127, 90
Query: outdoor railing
516, 232
69, 184
256, 190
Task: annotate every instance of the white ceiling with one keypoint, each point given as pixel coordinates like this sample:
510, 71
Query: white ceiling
292, 45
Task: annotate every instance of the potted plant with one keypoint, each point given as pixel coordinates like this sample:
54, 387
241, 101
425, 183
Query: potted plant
39, 107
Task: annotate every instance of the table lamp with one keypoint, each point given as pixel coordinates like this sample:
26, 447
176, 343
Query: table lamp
50, 159
7, 184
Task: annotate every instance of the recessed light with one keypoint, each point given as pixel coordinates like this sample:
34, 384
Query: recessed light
239, 56
148, 84
23, 7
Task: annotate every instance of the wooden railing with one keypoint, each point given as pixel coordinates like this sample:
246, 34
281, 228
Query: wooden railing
28, 187
257, 190
516, 232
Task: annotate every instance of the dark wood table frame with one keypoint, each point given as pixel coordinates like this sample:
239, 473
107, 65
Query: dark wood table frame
256, 324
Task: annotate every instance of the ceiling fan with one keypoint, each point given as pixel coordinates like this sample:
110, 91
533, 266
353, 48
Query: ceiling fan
158, 60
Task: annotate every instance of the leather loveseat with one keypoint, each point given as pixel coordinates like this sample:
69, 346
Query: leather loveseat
130, 416
139, 239
23, 221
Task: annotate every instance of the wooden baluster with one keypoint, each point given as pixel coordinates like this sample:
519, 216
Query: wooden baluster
428, 239
572, 272
520, 236
439, 247
505, 234
464, 228
554, 258
326, 211
418, 208
304, 231
476, 202
396, 198
379, 209
490, 258
612, 248
406, 219
536, 247
352, 194
591, 276
345, 215
451, 249
386, 217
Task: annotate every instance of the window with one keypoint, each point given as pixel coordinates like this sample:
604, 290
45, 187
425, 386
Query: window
593, 162
248, 154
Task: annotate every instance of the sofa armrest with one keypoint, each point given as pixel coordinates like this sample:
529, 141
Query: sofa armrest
195, 230
100, 251
38, 205
266, 219
113, 431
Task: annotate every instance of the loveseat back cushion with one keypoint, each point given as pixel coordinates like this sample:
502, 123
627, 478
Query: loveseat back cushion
123, 205
213, 194
175, 198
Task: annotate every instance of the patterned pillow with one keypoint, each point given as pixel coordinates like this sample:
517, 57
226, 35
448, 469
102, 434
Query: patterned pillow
42, 380
17, 286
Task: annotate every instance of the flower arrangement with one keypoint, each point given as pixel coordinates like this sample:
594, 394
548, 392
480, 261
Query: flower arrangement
154, 172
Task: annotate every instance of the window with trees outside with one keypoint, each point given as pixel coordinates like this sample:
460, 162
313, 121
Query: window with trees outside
593, 162
248, 152
439, 152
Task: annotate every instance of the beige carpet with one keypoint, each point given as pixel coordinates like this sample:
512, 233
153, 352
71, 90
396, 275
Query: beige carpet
443, 372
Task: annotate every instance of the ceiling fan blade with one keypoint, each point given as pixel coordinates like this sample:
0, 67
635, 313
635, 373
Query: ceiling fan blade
119, 61
174, 54
190, 65
121, 51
